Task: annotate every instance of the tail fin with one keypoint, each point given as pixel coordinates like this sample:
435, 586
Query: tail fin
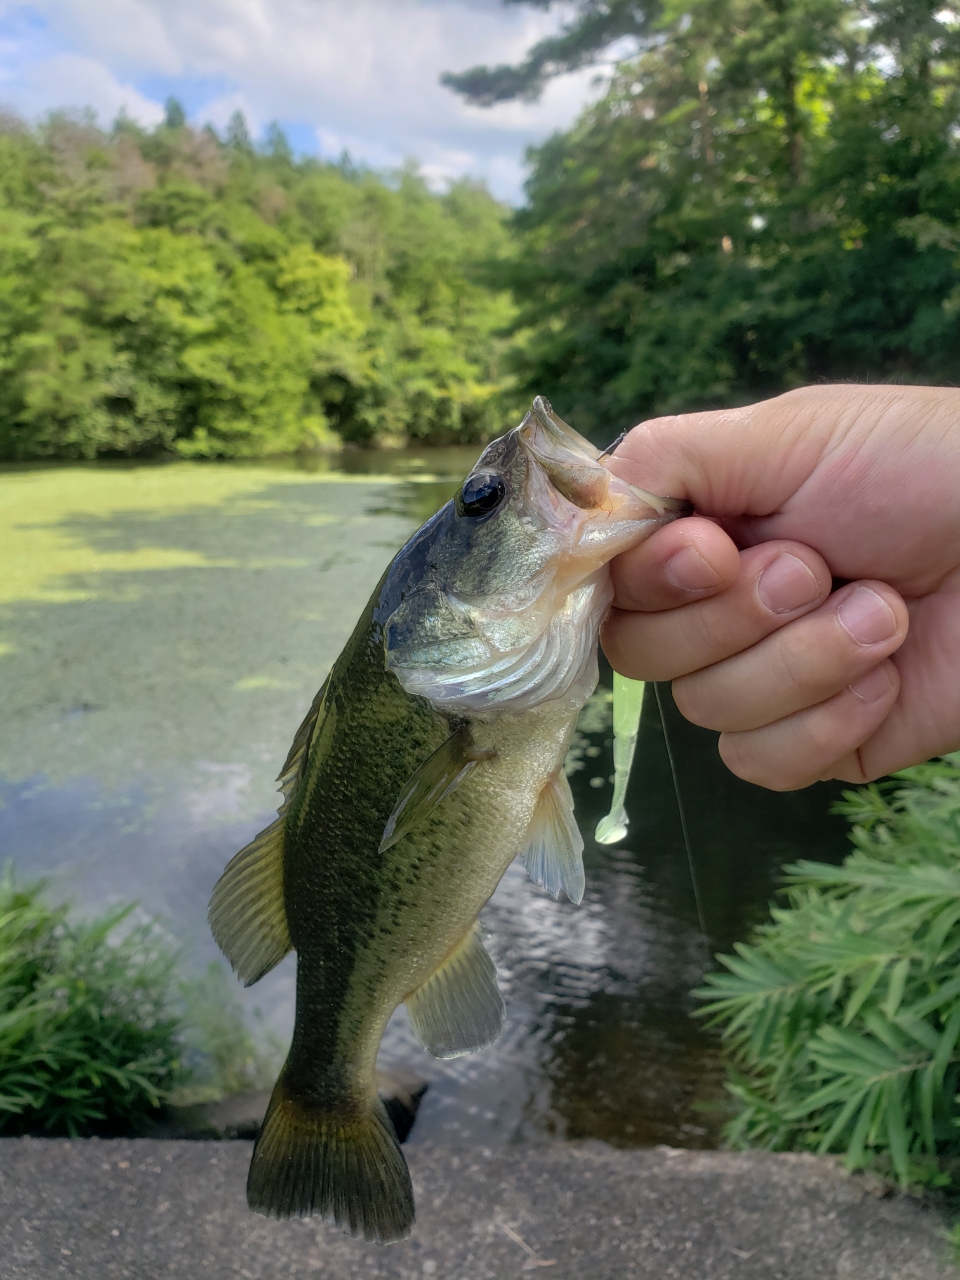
348, 1169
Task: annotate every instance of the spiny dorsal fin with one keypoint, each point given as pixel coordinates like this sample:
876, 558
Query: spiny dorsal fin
459, 1008
553, 855
247, 915
300, 748
430, 784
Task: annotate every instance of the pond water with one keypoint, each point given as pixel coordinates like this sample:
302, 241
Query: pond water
163, 628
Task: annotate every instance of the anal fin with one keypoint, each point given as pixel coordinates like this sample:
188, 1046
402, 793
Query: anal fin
553, 854
247, 914
459, 1008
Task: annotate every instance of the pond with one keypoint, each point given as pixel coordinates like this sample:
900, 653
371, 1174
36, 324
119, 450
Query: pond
162, 629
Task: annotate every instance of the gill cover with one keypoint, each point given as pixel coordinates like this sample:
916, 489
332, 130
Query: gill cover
497, 601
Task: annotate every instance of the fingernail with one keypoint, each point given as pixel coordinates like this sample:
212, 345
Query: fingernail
867, 617
787, 584
688, 570
873, 685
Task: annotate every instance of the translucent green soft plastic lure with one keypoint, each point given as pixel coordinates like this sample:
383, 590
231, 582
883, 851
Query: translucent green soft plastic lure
627, 701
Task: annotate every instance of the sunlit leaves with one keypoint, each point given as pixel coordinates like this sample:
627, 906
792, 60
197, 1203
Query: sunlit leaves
166, 292
766, 196
843, 1013
88, 1035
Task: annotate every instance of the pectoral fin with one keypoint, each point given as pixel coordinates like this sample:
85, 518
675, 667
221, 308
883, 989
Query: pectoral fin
459, 1008
441, 773
553, 855
247, 915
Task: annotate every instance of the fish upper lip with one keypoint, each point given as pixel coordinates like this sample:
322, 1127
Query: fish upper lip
568, 445
559, 432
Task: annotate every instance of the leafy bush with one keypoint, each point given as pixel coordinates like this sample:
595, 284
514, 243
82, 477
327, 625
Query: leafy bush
96, 1031
843, 1013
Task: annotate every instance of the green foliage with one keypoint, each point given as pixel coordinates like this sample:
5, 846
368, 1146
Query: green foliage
87, 1033
220, 1056
843, 1013
592, 28
166, 291
95, 1030
766, 196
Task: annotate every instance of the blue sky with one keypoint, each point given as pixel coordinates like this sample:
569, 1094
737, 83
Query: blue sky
360, 75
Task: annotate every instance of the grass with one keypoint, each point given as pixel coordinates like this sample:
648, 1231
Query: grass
96, 1030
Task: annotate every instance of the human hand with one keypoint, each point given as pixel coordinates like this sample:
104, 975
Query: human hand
845, 482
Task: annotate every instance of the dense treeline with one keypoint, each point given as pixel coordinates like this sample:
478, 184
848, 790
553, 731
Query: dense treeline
172, 291
768, 195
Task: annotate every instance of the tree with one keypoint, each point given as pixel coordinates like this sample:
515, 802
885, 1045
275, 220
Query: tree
163, 290
238, 135
175, 117
594, 27
769, 193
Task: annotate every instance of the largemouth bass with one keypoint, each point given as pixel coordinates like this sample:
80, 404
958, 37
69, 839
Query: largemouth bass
430, 759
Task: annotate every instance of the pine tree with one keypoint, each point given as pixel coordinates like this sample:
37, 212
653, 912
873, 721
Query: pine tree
769, 193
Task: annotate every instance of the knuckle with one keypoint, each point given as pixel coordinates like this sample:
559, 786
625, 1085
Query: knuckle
803, 662
688, 695
743, 755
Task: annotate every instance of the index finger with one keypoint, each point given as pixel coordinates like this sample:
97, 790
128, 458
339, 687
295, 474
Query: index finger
778, 582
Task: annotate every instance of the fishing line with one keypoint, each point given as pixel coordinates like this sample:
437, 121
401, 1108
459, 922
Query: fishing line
681, 811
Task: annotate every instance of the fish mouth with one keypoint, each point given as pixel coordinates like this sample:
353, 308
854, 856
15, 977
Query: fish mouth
579, 472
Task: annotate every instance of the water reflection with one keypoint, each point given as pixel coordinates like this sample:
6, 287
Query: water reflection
600, 1041
159, 658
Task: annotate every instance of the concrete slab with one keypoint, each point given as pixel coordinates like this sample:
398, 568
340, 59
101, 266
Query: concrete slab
101, 1210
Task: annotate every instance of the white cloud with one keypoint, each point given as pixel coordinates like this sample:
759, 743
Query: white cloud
69, 79
362, 75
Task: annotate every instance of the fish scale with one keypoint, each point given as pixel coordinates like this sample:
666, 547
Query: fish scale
431, 759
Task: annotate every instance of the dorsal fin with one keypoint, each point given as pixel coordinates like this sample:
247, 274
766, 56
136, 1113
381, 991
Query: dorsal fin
300, 748
247, 914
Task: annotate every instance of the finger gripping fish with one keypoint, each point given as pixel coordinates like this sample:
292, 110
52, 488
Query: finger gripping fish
430, 759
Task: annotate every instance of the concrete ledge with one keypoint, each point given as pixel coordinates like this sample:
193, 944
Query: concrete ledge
150, 1209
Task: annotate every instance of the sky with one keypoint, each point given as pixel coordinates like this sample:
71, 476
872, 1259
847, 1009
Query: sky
354, 75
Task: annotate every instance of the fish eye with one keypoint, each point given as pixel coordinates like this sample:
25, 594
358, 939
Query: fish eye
480, 495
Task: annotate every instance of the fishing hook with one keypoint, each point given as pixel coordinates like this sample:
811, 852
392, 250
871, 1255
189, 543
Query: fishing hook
616, 444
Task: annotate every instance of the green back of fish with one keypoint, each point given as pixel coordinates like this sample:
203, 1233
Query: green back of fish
345, 899
377, 922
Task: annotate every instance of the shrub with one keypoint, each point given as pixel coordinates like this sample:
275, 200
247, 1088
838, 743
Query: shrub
95, 1029
843, 1013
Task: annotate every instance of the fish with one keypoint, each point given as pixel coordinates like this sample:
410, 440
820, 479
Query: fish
431, 757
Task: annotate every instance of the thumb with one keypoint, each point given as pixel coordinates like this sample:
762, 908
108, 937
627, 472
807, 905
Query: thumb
741, 462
